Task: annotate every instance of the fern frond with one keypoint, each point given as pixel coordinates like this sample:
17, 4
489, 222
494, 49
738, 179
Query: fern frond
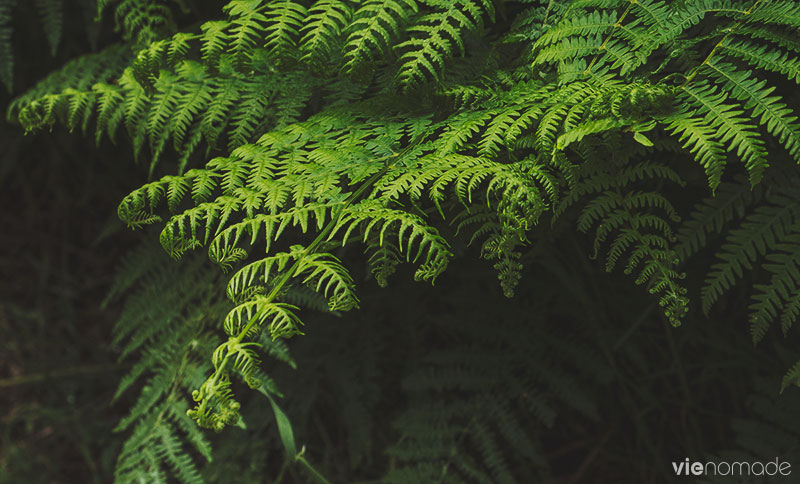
730, 127
769, 110
763, 57
285, 20
730, 202
778, 298
213, 39
792, 377
246, 26
767, 226
642, 224
327, 276
326, 21
780, 12
701, 139
141, 21
383, 261
434, 38
52, 19
163, 326
420, 242
375, 25
588, 25
48, 100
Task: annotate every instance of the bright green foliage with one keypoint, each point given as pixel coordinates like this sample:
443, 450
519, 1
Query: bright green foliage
322, 29
374, 28
296, 129
436, 36
44, 105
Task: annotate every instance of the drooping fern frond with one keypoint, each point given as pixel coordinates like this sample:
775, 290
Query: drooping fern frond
761, 233
285, 19
773, 114
323, 29
636, 221
768, 230
727, 124
731, 202
52, 17
141, 21
437, 36
167, 332
374, 27
53, 98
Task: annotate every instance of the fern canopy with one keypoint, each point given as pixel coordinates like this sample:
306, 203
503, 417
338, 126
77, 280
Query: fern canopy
281, 136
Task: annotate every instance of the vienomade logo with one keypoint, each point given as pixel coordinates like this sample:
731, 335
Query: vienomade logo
738, 468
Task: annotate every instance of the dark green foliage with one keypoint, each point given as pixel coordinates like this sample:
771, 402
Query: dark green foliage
158, 419
52, 20
6, 57
766, 434
475, 412
283, 135
51, 16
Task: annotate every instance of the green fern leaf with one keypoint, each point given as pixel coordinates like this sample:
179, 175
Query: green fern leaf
375, 25
52, 19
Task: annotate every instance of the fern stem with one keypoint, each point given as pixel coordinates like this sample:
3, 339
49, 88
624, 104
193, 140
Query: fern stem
617, 25
547, 11
687, 394
314, 244
311, 470
725, 37
282, 472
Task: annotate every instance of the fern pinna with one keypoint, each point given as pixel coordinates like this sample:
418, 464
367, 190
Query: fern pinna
298, 128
